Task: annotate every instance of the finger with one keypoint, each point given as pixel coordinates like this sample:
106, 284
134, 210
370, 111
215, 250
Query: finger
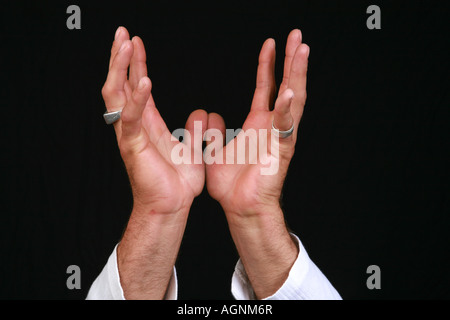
113, 90
265, 77
196, 125
120, 36
132, 112
282, 112
215, 140
138, 66
297, 81
216, 122
293, 41
197, 120
283, 147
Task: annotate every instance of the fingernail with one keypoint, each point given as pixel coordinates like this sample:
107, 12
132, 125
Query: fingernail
118, 32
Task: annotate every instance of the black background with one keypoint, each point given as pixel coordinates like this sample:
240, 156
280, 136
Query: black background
368, 185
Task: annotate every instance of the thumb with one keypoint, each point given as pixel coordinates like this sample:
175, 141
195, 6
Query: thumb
283, 119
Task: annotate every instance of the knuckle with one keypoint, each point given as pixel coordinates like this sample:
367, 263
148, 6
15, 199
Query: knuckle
264, 83
106, 91
113, 98
127, 147
132, 146
126, 117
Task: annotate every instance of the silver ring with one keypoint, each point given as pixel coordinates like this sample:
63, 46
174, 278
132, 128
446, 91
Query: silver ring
282, 134
111, 117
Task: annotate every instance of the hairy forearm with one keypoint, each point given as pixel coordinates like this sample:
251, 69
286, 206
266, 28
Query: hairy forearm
266, 249
148, 251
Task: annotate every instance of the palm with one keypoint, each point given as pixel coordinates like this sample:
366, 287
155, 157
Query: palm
240, 186
175, 186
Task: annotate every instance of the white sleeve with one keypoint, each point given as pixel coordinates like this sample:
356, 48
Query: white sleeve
305, 282
107, 285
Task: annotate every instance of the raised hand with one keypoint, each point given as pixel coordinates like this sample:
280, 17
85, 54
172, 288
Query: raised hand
250, 199
162, 191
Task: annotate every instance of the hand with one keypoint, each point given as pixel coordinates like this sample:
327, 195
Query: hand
145, 142
251, 200
162, 191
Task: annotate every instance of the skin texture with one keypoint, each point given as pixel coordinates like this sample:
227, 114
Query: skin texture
163, 191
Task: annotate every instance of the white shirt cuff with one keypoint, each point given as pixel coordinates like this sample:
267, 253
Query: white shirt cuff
107, 285
305, 282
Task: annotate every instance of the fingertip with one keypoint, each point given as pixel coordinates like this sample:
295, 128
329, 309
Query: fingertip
198, 115
213, 116
121, 32
300, 61
144, 83
139, 48
270, 42
143, 91
202, 113
267, 49
288, 94
295, 35
282, 113
283, 103
293, 41
136, 40
118, 32
216, 121
304, 50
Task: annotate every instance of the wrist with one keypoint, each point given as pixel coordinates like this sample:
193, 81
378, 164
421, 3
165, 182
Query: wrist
154, 212
256, 216
148, 250
265, 247
267, 229
146, 228
171, 206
